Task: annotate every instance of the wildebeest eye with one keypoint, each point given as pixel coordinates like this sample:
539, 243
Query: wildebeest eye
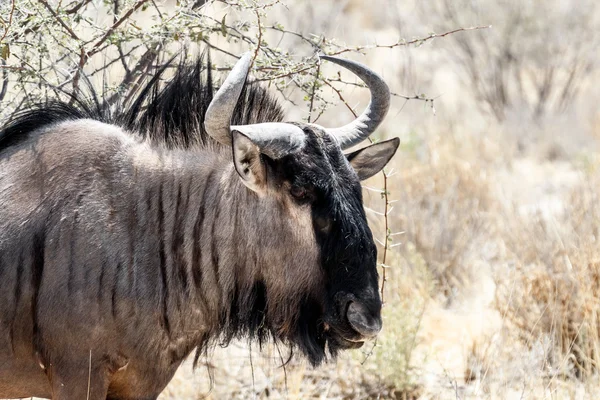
299, 192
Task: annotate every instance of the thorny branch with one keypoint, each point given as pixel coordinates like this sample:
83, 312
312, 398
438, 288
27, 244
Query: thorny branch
59, 20
109, 31
388, 232
314, 91
143, 64
253, 6
8, 23
404, 42
119, 45
259, 38
420, 97
77, 7
85, 55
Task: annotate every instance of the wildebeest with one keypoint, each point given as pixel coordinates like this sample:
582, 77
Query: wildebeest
129, 238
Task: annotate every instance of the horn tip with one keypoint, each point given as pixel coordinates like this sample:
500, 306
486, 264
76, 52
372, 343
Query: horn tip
326, 57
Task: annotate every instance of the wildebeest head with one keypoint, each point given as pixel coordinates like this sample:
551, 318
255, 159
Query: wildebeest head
301, 166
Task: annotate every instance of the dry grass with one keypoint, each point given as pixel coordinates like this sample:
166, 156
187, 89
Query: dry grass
558, 271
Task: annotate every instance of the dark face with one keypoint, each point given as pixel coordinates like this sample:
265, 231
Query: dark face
321, 179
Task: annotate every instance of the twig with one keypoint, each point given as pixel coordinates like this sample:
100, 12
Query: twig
386, 212
285, 75
118, 59
403, 42
252, 7
297, 34
10, 19
342, 99
160, 14
119, 48
259, 38
402, 96
96, 46
144, 62
314, 90
77, 7
11, 67
370, 353
212, 46
59, 19
77, 76
139, 81
85, 55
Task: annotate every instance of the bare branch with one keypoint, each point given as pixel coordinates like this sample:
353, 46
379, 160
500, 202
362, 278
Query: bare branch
110, 30
78, 7
314, 90
280, 76
144, 63
212, 46
420, 97
59, 20
9, 23
403, 42
341, 97
259, 38
119, 47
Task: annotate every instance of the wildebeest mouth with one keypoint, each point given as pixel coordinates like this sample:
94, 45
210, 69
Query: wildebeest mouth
350, 343
343, 337
339, 341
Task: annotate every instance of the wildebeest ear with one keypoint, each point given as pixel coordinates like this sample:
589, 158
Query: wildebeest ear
370, 160
248, 162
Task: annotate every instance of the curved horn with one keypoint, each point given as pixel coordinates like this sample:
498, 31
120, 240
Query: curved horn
274, 139
220, 110
360, 129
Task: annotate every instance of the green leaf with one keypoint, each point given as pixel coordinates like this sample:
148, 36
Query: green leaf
223, 26
5, 52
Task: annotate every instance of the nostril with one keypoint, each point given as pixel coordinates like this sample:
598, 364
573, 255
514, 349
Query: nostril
362, 320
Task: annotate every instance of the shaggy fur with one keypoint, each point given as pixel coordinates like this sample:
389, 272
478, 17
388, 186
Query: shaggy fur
127, 240
169, 114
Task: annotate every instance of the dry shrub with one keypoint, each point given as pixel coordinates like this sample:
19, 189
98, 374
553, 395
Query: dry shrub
457, 235
387, 369
513, 66
552, 292
445, 206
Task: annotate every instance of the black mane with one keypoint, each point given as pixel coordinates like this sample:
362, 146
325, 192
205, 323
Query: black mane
169, 114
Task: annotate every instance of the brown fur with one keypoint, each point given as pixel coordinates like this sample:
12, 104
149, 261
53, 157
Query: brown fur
181, 201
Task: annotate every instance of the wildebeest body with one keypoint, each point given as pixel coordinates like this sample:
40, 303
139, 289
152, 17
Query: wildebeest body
93, 260
126, 244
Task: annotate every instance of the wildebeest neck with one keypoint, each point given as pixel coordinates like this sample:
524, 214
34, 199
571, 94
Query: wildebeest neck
243, 264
